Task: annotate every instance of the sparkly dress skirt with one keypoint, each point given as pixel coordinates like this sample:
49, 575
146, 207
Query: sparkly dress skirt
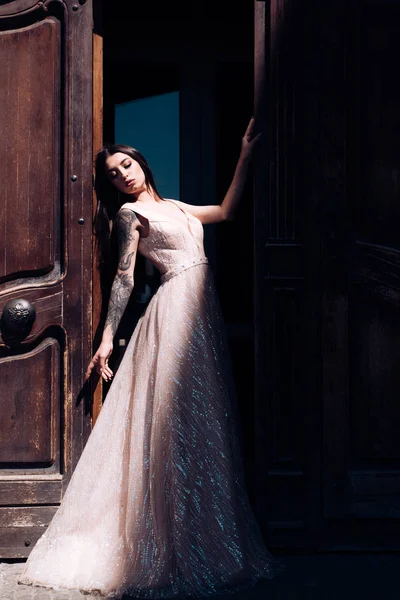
156, 506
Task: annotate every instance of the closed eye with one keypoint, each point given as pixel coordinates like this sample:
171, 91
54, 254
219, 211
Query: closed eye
113, 174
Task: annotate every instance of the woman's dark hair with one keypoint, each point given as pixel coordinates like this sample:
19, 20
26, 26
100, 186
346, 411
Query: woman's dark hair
109, 200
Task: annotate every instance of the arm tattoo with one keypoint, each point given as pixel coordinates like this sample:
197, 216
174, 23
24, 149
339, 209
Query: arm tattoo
125, 262
120, 293
126, 218
123, 282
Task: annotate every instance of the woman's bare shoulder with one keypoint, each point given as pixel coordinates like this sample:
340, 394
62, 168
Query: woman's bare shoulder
129, 213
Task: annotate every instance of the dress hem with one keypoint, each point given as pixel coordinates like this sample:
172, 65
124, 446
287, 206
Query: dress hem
153, 594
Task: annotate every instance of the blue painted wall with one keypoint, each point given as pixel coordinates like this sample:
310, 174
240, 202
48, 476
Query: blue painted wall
151, 125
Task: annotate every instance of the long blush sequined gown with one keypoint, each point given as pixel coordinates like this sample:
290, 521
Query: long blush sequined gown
156, 506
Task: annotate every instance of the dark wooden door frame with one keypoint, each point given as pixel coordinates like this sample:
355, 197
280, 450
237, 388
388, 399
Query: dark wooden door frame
280, 268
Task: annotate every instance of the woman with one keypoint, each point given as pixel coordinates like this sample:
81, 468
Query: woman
165, 514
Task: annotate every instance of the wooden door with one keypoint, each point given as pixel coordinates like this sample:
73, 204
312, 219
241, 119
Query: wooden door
361, 258
45, 258
327, 258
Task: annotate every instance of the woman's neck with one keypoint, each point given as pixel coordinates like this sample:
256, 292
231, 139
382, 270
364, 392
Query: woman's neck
146, 197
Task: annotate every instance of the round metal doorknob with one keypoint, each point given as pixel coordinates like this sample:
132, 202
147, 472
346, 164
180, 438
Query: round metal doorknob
17, 320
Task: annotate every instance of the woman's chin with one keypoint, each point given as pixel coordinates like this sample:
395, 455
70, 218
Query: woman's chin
129, 191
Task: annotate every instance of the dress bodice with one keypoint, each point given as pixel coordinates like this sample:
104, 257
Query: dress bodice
172, 245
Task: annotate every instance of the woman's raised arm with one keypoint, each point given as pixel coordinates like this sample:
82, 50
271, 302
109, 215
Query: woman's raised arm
227, 209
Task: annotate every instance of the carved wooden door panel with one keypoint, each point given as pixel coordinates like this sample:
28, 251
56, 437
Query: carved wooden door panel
360, 127
45, 257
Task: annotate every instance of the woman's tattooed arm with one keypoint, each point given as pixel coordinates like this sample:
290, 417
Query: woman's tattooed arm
128, 239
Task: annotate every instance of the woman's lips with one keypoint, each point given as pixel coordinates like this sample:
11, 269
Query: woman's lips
130, 183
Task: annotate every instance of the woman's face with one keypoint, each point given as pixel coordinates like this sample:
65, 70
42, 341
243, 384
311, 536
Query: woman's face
125, 173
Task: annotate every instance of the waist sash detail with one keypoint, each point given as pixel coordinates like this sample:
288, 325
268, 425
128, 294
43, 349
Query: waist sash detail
183, 267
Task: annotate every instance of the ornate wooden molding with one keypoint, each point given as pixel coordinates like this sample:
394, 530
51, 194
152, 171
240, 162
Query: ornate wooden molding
378, 271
